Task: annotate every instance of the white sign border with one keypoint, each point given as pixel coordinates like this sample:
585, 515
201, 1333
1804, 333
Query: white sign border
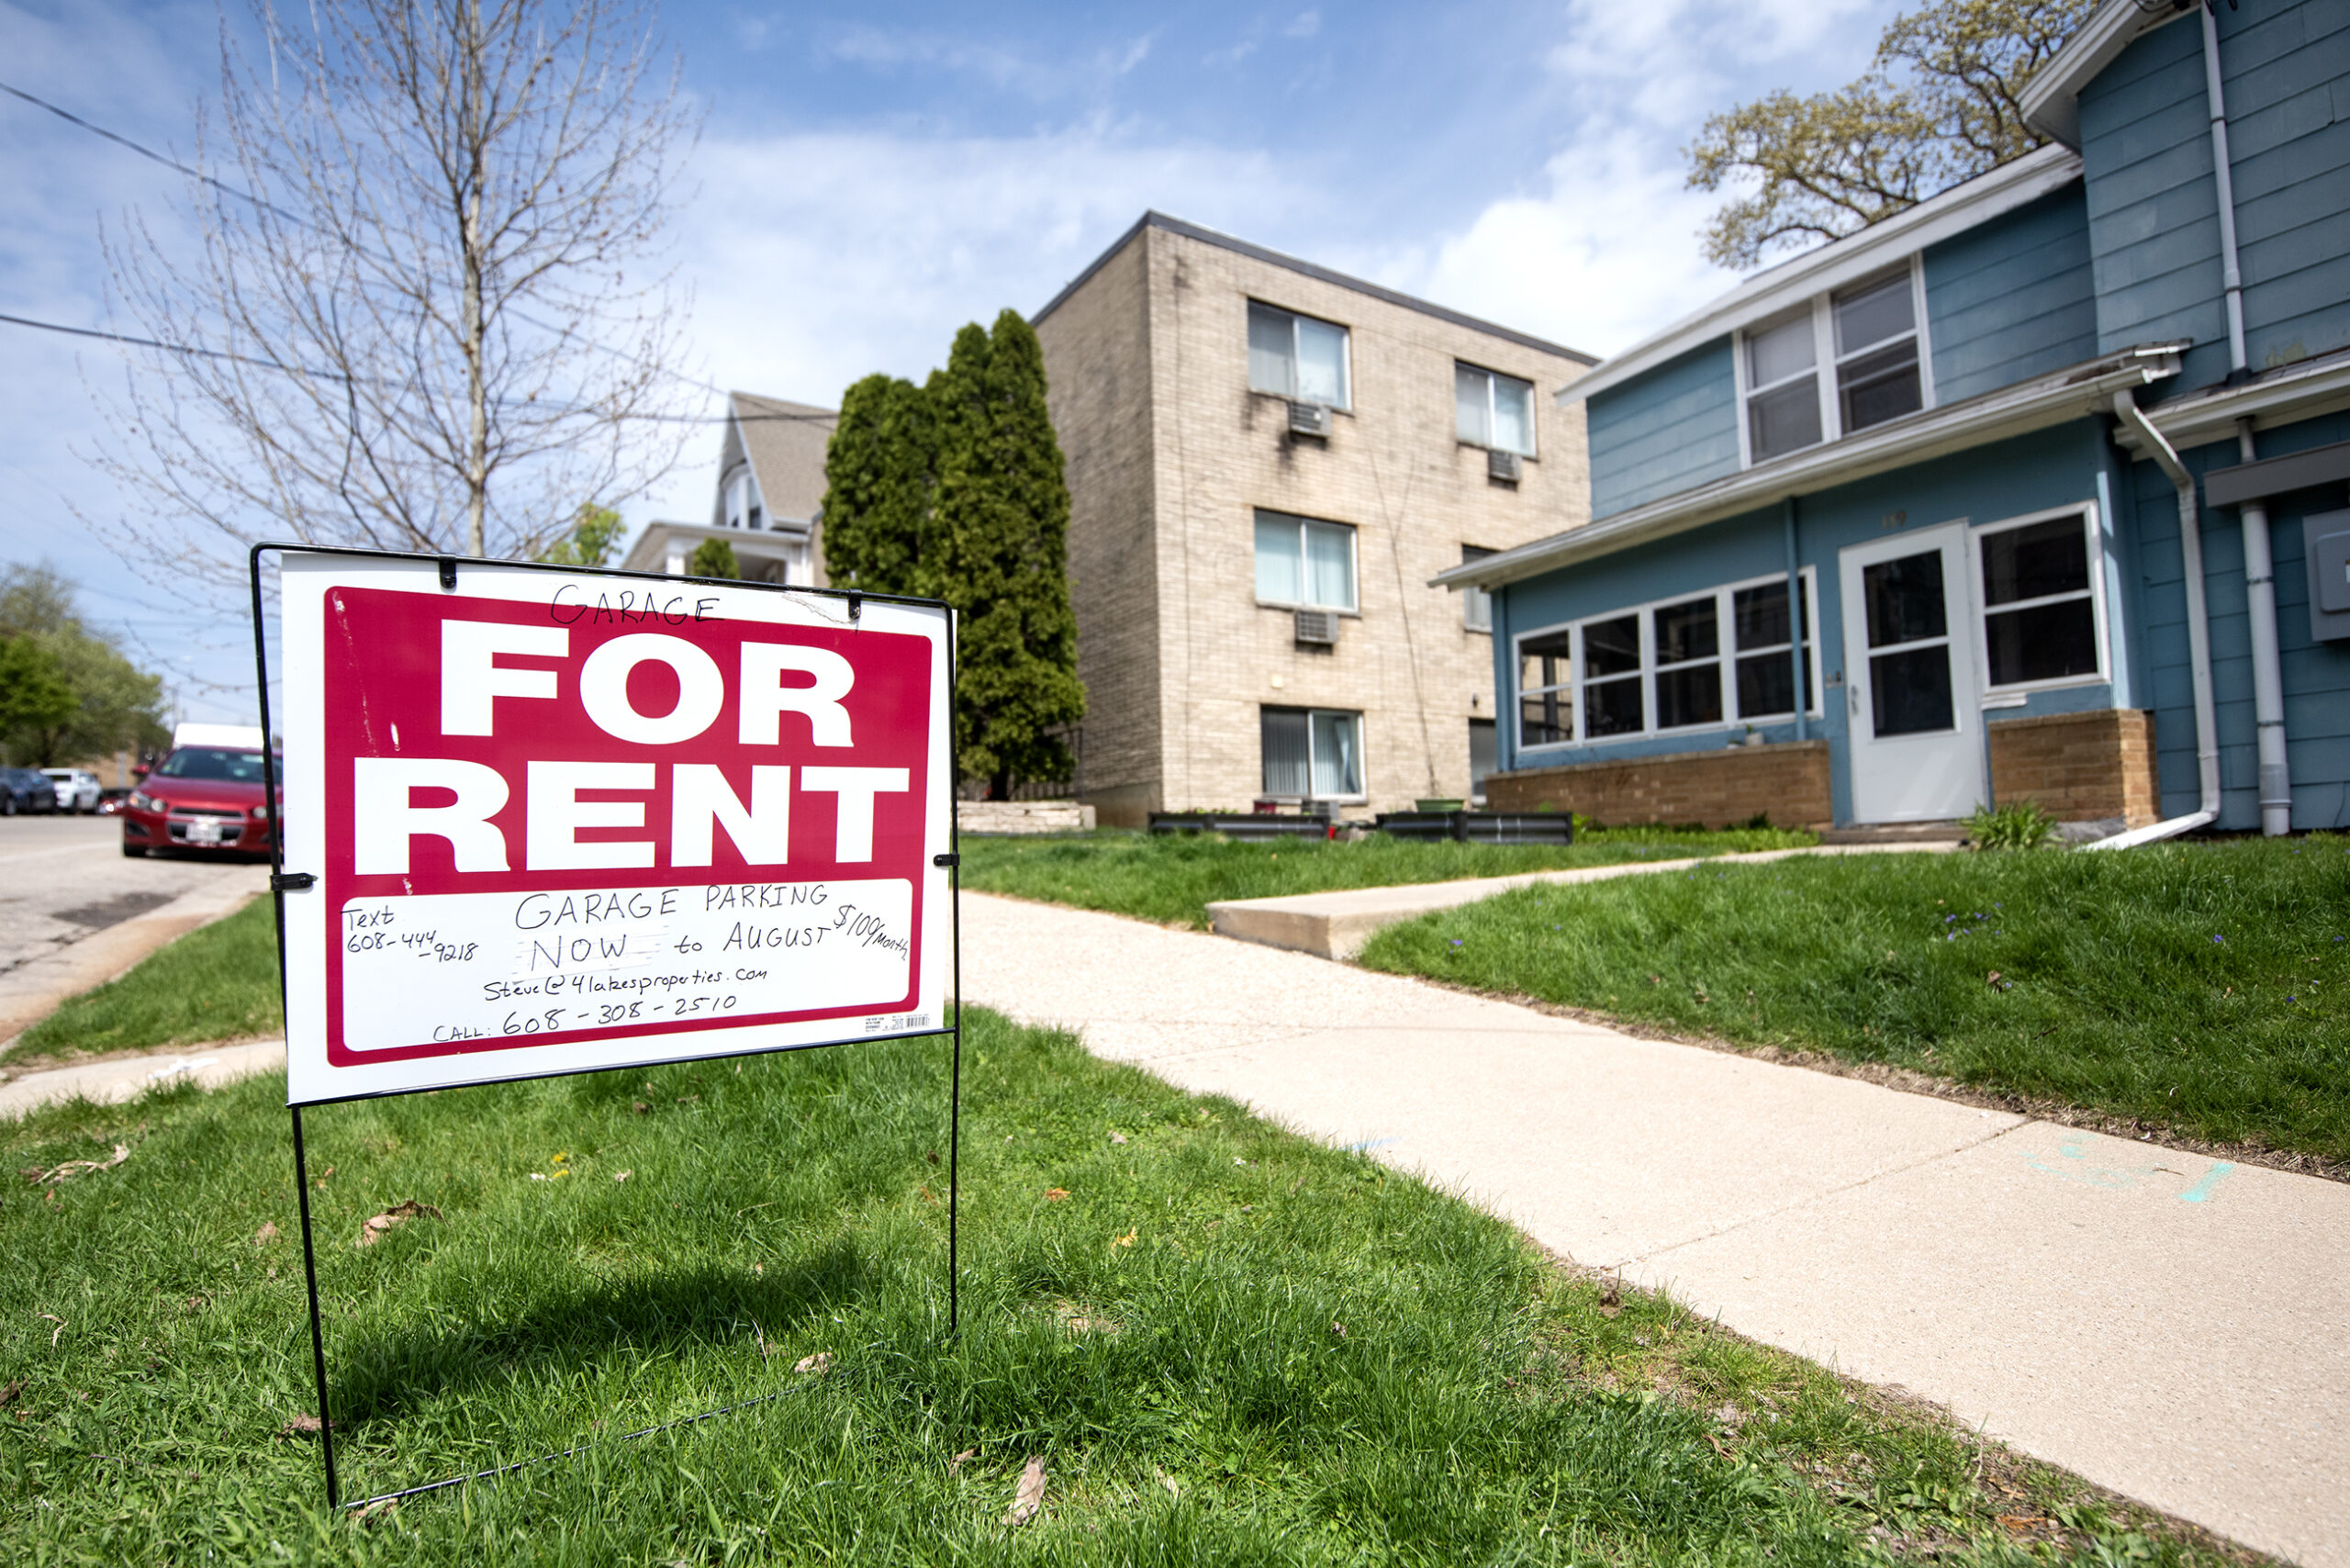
304, 579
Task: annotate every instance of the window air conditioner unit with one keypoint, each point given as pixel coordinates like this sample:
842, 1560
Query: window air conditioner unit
1505, 465
1317, 628
1310, 418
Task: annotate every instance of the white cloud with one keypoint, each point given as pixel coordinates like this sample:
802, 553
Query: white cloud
1304, 24
1005, 69
819, 259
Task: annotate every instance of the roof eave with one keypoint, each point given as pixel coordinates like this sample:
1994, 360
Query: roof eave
2077, 390
1840, 261
2051, 100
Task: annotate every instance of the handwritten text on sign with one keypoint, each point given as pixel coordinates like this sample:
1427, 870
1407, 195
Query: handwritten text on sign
498, 967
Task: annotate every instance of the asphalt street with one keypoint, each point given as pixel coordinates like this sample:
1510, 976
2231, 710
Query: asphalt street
65, 880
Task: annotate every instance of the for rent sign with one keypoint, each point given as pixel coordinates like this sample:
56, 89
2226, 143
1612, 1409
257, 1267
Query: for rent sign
564, 821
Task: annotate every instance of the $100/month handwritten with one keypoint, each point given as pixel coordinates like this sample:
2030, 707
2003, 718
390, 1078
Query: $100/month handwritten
444, 968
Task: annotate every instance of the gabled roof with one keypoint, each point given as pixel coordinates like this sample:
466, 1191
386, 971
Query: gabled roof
1160, 221
2052, 100
1840, 262
785, 443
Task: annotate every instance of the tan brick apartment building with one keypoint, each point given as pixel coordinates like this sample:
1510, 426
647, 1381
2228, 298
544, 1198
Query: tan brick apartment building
1266, 462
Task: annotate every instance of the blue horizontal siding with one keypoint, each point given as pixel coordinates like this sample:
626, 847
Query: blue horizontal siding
2316, 675
1670, 430
2152, 204
2011, 298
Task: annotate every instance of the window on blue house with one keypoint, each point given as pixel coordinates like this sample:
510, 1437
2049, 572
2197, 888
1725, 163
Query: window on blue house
2037, 583
1724, 657
1876, 353
1546, 698
1841, 364
1781, 388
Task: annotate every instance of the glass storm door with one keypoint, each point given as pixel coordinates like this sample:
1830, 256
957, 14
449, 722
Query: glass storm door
1909, 687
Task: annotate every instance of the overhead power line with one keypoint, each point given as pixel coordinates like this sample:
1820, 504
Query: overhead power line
169, 161
284, 369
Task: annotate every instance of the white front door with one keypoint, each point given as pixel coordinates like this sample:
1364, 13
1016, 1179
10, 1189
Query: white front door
1909, 689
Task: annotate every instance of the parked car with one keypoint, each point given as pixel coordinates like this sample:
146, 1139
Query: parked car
77, 789
22, 790
205, 798
112, 802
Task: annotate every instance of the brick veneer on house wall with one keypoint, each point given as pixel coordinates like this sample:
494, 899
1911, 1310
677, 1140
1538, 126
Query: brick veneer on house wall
1788, 783
2077, 767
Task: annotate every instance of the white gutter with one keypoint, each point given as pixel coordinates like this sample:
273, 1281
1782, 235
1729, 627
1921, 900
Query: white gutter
2198, 636
2071, 393
2231, 273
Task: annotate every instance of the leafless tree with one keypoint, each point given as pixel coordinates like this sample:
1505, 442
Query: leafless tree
427, 305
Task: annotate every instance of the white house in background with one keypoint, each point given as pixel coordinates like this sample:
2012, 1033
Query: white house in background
770, 491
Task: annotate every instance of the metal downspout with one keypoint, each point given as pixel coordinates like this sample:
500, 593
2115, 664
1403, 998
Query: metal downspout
2259, 567
2231, 275
2198, 636
2268, 667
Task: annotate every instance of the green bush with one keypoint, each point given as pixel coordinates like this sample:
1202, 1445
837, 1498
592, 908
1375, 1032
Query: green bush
2023, 825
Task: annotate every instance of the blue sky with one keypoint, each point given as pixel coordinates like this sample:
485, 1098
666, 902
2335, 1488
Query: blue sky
871, 176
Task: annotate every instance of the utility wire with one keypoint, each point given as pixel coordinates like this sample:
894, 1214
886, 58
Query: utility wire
340, 375
170, 163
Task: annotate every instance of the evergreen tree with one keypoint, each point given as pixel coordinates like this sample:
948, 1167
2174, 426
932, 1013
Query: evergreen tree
879, 474
1000, 525
595, 535
713, 558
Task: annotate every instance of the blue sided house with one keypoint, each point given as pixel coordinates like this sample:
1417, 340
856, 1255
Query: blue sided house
2035, 491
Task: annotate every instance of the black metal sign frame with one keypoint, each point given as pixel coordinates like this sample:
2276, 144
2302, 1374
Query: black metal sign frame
281, 882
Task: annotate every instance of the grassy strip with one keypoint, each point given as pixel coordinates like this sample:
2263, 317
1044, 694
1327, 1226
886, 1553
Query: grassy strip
217, 982
1225, 1344
1173, 878
2203, 988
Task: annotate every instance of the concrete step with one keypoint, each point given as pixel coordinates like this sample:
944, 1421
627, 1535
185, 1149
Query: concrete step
1338, 924
1907, 835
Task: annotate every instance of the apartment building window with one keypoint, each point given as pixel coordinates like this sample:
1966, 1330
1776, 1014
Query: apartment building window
1296, 357
1305, 562
2037, 584
1702, 660
1476, 604
1868, 337
1546, 701
1492, 410
1311, 753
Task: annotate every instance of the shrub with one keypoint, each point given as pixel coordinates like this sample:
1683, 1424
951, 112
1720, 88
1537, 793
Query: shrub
2023, 825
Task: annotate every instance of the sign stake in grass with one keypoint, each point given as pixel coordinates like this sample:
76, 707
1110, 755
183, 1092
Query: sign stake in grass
546, 821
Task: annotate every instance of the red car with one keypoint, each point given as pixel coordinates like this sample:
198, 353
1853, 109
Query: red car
202, 798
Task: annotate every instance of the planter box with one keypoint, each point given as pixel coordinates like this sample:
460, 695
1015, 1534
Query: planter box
1243, 824
1482, 827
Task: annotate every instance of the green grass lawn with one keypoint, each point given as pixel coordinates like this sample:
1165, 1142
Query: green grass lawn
1223, 1343
1172, 878
217, 982
2203, 988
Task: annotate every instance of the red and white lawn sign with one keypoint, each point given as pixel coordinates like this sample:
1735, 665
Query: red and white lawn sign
562, 820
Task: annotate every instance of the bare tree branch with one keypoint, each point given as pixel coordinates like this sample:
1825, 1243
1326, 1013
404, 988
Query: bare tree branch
427, 299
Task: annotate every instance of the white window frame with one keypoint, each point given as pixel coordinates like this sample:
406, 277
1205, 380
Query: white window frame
1362, 751
1491, 375
1825, 361
1725, 658
1354, 562
1982, 610
1346, 402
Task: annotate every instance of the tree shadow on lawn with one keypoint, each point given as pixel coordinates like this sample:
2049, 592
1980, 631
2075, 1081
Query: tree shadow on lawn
562, 1336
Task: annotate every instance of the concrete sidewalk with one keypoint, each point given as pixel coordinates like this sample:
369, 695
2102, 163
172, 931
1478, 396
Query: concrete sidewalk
126, 1077
2165, 1325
